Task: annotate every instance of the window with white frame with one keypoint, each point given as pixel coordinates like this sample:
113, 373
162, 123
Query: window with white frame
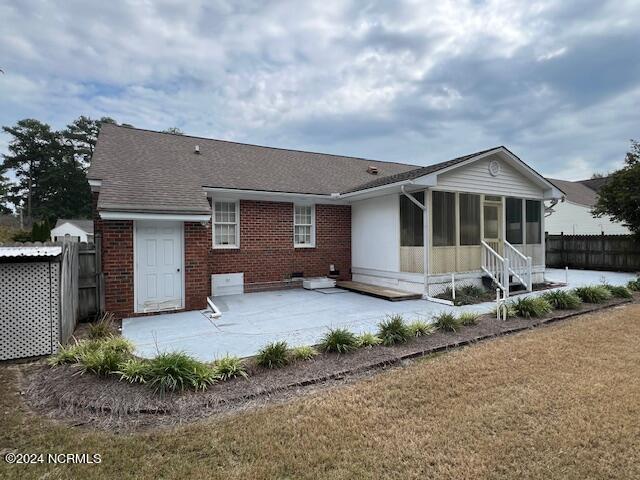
303, 226
225, 224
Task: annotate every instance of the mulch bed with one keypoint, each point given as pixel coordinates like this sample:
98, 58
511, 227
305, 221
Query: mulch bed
105, 402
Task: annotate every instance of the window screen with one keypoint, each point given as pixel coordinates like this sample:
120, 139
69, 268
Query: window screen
303, 226
469, 219
411, 221
534, 227
444, 219
225, 224
514, 220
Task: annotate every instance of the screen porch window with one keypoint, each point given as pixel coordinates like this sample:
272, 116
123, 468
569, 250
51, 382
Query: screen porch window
469, 219
514, 220
225, 224
534, 225
303, 226
411, 221
444, 219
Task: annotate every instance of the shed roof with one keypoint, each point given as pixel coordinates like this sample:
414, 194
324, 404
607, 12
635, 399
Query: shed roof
82, 224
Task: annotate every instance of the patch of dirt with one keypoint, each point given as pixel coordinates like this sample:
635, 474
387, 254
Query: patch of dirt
104, 402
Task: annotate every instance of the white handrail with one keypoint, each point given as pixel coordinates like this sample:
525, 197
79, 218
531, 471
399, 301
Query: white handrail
520, 265
496, 266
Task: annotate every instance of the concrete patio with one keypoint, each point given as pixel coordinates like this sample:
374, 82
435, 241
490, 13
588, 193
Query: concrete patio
298, 316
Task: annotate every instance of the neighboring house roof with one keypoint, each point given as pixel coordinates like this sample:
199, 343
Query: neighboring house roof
595, 183
82, 224
576, 192
153, 172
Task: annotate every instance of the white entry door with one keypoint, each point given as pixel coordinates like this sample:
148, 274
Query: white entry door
158, 264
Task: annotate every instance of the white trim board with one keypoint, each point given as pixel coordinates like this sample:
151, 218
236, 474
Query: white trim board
170, 217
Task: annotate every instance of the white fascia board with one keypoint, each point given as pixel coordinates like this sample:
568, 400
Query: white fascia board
233, 193
95, 185
110, 215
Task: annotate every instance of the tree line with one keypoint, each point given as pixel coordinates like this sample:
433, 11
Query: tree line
50, 169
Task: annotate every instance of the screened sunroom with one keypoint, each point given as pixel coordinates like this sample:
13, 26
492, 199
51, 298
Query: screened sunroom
461, 224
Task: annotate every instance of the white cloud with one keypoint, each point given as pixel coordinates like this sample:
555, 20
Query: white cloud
411, 81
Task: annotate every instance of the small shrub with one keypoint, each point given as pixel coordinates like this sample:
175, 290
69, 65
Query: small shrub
303, 352
102, 361
593, 294
229, 367
339, 340
115, 344
273, 355
393, 330
368, 339
528, 307
468, 318
66, 354
170, 372
562, 300
103, 328
134, 370
634, 285
618, 291
420, 328
447, 322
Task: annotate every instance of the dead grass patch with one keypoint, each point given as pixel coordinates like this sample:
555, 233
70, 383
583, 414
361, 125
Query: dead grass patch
559, 402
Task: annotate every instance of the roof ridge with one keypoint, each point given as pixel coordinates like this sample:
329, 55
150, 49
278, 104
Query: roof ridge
260, 146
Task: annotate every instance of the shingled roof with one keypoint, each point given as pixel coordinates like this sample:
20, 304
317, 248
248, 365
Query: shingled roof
576, 192
148, 171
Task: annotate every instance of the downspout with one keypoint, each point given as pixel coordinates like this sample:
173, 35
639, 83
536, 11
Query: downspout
425, 236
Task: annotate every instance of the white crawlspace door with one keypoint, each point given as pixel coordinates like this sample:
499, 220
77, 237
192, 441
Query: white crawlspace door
158, 266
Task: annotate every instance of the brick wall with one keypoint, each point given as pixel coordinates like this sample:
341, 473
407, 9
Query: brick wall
266, 254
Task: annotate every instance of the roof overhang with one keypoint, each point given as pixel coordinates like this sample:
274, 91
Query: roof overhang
95, 185
173, 217
272, 196
550, 191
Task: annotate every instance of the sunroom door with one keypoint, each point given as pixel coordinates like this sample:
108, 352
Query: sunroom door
492, 211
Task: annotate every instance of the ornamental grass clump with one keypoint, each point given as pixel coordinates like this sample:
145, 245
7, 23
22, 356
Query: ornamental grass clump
420, 328
339, 340
634, 285
529, 307
229, 367
562, 300
103, 328
134, 370
447, 322
368, 339
593, 294
468, 318
177, 371
273, 355
393, 330
618, 291
303, 352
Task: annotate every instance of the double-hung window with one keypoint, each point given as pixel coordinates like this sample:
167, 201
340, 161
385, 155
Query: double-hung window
226, 231
304, 226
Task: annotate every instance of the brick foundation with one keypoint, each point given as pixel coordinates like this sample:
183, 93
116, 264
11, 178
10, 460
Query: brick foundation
266, 254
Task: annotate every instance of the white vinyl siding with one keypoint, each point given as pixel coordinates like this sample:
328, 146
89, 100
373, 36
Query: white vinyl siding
475, 178
304, 226
226, 224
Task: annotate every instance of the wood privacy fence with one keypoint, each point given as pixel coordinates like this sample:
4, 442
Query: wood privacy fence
91, 281
593, 252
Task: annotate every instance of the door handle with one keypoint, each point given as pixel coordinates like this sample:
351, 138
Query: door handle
177, 270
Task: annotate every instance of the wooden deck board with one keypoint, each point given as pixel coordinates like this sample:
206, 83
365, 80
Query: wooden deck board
386, 293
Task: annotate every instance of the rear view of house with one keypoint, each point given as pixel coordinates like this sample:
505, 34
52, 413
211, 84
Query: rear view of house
183, 218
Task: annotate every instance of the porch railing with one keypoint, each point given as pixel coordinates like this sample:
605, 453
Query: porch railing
496, 266
519, 265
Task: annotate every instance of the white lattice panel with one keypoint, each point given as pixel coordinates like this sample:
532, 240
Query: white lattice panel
28, 309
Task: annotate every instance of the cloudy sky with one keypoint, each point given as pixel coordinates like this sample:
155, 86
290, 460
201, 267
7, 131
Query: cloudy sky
558, 82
